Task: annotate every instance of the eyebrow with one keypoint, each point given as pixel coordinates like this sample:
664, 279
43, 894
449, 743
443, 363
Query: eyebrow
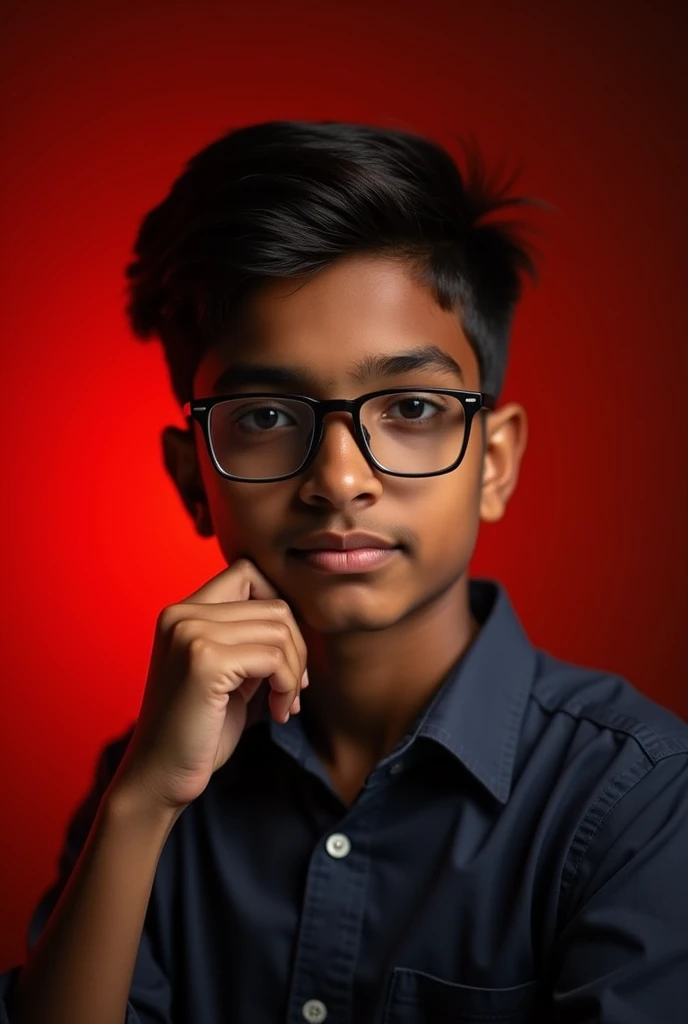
425, 357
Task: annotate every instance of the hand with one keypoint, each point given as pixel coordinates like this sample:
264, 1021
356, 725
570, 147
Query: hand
211, 653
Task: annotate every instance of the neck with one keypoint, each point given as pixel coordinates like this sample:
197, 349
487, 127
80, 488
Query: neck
367, 688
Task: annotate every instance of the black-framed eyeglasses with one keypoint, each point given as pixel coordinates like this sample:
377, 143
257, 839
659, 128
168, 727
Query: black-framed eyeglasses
409, 432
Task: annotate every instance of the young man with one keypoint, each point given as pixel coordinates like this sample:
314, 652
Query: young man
451, 826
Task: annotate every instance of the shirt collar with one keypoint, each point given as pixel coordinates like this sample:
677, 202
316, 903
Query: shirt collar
476, 713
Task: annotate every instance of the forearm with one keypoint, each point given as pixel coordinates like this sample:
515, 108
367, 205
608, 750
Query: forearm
82, 966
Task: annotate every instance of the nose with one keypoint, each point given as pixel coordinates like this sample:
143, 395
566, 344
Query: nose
340, 473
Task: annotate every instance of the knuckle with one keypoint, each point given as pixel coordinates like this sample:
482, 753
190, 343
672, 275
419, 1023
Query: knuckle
198, 647
167, 618
280, 608
281, 630
276, 653
184, 632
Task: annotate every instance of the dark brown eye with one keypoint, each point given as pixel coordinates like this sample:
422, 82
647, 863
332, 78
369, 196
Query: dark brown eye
263, 419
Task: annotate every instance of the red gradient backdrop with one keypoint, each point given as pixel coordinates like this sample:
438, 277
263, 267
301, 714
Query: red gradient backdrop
105, 103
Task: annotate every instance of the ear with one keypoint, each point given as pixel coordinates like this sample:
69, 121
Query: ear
181, 462
506, 435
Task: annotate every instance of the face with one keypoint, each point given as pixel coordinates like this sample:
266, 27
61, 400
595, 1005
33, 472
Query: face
318, 330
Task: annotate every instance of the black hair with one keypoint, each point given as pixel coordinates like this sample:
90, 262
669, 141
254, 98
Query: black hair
282, 199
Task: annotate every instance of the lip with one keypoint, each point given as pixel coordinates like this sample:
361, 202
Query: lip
345, 560
330, 541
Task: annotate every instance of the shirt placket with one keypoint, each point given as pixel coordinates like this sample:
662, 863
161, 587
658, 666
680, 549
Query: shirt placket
332, 916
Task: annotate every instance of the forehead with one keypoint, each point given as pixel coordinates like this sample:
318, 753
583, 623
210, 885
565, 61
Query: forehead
354, 309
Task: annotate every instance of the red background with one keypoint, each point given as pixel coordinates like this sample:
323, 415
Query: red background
105, 103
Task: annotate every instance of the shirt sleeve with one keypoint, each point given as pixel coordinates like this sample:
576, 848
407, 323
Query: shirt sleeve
150, 995
622, 954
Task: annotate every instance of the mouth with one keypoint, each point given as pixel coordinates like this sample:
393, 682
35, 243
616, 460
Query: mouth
352, 560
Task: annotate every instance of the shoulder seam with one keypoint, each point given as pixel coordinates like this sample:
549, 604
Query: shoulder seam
653, 745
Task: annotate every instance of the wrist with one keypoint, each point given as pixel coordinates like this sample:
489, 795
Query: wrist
128, 798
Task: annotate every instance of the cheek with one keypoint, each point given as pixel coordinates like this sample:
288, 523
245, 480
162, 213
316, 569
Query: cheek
448, 519
447, 514
245, 516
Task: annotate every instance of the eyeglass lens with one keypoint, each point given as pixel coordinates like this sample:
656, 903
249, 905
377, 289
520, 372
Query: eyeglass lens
260, 438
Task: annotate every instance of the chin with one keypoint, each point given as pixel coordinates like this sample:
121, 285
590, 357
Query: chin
346, 613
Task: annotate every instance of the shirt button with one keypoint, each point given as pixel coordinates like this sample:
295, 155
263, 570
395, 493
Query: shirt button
314, 1011
396, 768
337, 845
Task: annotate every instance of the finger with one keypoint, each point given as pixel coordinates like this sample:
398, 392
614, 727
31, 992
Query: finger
249, 688
268, 632
242, 581
239, 611
229, 667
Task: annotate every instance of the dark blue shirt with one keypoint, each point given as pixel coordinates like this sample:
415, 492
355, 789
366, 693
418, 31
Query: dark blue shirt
521, 856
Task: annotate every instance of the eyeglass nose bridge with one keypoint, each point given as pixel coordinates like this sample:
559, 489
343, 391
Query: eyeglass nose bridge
323, 409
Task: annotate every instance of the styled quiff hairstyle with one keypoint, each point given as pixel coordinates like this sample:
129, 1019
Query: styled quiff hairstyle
283, 199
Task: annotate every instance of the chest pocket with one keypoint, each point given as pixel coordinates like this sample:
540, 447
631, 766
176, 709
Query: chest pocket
418, 998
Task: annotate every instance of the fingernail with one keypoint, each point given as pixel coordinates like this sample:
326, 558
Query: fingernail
287, 718
296, 706
305, 680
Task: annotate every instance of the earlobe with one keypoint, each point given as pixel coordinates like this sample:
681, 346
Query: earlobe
181, 462
507, 430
